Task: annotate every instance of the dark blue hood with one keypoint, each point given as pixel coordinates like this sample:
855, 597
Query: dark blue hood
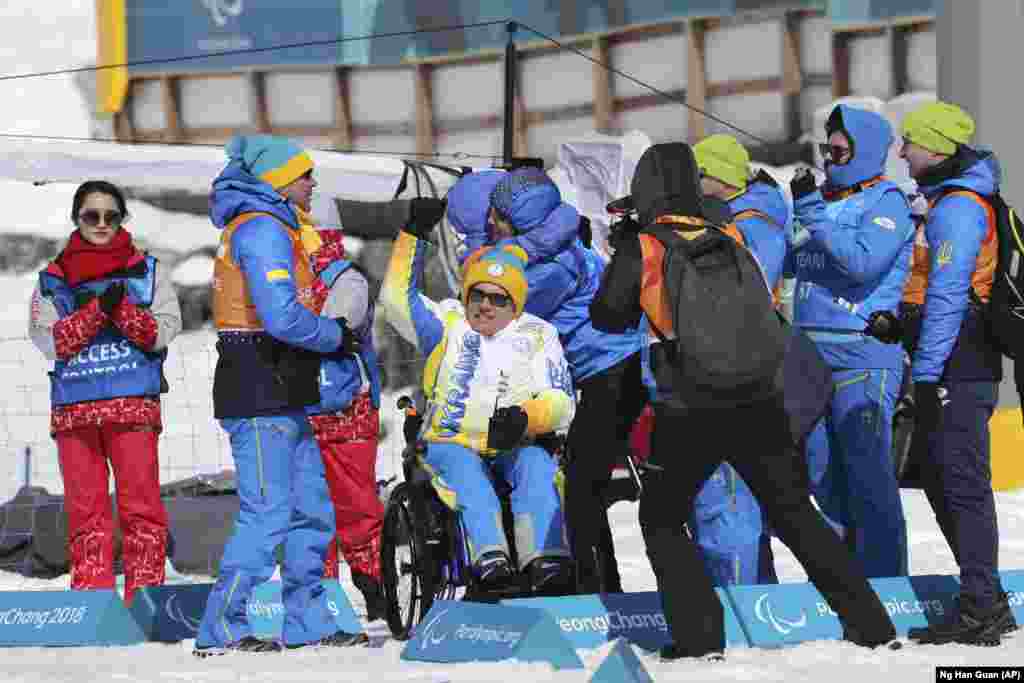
236, 191
976, 170
871, 136
765, 197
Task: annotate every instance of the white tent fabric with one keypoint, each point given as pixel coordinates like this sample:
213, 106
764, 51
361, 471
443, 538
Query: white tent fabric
360, 177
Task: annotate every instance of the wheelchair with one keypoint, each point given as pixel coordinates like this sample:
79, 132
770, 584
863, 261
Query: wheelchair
424, 551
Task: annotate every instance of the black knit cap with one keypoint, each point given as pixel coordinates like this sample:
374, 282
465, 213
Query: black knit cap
666, 181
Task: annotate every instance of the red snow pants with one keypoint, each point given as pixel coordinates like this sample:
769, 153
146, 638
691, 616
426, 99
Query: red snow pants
348, 445
132, 453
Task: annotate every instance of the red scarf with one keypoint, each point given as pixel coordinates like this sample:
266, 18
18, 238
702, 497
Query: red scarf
82, 261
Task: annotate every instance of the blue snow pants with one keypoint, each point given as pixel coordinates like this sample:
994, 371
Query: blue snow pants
729, 528
852, 473
283, 500
536, 504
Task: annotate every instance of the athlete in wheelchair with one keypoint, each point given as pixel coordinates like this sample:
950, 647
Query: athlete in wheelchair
496, 385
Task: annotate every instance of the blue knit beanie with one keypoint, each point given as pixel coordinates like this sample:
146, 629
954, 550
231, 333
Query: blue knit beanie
525, 197
276, 161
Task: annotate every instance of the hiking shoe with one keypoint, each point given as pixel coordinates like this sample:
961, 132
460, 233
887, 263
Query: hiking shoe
247, 644
373, 593
551, 576
493, 570
336, 639
969, 625
674, 651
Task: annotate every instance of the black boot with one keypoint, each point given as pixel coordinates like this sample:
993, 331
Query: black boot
1011, 622
551, 576
889, 641
969, 625
247, 644
373, 593
336, 639
493, 570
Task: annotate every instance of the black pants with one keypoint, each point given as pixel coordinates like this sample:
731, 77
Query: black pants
611, 402
957, 479
686, 450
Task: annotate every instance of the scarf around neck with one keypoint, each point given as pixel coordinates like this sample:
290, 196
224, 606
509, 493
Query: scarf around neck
82, 261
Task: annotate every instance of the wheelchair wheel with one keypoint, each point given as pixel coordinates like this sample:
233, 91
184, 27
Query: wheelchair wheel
407, 566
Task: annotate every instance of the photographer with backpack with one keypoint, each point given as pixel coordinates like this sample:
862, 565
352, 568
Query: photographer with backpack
956, 361
716, 346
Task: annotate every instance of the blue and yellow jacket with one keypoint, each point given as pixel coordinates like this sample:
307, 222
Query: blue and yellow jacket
468, 375
761, 214
269, 339
955, 254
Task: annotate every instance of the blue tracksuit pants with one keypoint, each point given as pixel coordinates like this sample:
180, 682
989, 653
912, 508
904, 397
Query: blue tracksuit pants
852, 473
283, 500
729, 528
536, 504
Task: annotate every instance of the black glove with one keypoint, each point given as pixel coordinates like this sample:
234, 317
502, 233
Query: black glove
111, 297
586, 234
885, 327
506, 428
83, 298
424, 214
349, 342
802, 184
928, 400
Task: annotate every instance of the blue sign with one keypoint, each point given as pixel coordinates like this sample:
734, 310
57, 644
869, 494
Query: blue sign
621, 666
170, 614
266, 612
161, 34
456, 631
589, 621
1013, 584
66, 618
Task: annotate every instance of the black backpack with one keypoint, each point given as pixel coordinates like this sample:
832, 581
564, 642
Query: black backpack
1004, 312
729, 340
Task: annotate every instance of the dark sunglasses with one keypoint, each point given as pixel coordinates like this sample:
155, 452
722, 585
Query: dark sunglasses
833, 153
477, 296
91, 217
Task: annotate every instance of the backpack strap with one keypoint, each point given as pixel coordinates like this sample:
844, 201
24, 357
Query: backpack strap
755, 213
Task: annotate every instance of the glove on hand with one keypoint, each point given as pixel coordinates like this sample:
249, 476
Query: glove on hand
349, 342
83, 298
424, 214
802, 184
111, 297
885, 327
506, 428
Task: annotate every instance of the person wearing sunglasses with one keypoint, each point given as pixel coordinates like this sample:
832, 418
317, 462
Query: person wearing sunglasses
496, 380
104, 313
851, 254
270, 344
955, 368
525, 208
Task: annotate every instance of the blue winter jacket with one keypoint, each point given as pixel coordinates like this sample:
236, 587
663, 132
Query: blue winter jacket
260, 246
962, 224
767, 239
851, 256
563, 275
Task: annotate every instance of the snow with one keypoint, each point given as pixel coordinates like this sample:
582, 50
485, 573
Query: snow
39, 40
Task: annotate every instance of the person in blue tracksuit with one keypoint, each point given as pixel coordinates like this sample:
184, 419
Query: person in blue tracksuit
269, 343
851, 257
728, 524
955, 368
525, 207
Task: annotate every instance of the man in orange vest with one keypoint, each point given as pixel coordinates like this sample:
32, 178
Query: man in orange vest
753, 435
270, 344
955, 368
